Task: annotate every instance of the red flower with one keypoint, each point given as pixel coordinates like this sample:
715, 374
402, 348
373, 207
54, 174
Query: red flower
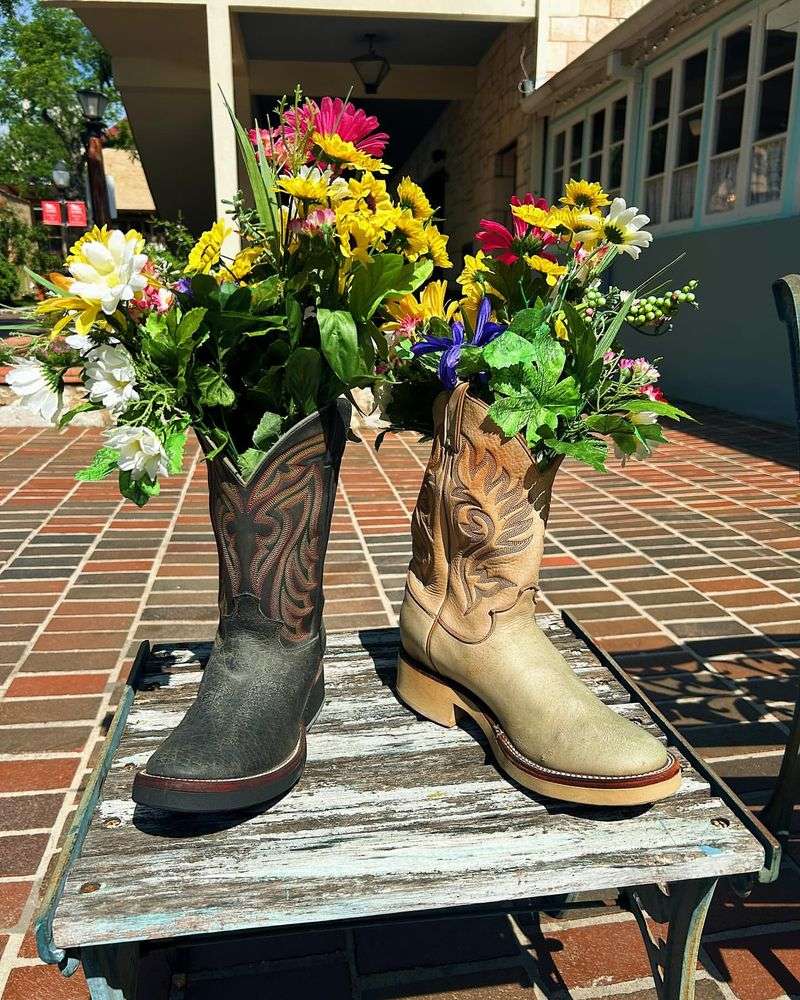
653, 392
335, 117
496, 239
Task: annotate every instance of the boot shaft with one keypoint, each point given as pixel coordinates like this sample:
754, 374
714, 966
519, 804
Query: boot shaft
478, 528
272, 531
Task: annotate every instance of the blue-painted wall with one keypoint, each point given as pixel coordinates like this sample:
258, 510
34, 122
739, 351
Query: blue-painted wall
733, 353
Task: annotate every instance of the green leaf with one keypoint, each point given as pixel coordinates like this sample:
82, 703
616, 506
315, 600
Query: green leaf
582, 341
260, 175
212, 388
528, 323
608, 423
205, 289
83, 407
590, 451
189, 325
170, 344
549, 360
138, 490
609, 336
340, 345
268, 430
265, 294
564, 397
249, 461
303, 375
654, 406
513, 412
102, 465
294, 320
174, 446
384, 275
507, 350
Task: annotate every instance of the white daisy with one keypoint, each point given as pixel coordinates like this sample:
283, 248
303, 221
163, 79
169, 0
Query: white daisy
108, 272
621, 228
29, 379
140, 452
111, 377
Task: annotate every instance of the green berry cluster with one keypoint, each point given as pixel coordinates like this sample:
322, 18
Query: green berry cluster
653, 310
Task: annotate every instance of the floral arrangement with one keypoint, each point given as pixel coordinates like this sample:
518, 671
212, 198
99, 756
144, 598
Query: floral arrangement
238, 344
535, 332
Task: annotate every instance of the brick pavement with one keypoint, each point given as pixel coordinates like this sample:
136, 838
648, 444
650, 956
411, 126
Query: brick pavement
687, 569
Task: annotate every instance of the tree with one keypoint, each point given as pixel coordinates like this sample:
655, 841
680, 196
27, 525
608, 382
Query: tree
46, 56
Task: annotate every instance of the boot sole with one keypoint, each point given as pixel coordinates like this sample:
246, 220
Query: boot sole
200, 795
441, 700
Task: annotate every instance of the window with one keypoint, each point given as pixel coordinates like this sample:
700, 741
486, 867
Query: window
592, 146
673, 142
735, 149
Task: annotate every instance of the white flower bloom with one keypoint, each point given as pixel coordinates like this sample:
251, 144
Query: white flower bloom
108, 272
642, 452
642, 417
110, 377
140, 452
621, 228
29, 380
79, 342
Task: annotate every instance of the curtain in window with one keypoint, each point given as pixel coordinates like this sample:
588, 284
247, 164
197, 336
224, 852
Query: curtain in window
766, 171
722, 183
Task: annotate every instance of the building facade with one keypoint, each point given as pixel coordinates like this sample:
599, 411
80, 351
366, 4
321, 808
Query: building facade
687, 109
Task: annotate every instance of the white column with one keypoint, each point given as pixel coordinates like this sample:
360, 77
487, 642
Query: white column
220, 78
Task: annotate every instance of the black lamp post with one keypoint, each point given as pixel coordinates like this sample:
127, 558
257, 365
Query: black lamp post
93, 105
61, 179
372, 68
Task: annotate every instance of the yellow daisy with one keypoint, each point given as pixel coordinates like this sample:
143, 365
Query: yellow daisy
334, 149
312, 186
369, 192
413, 241
206, 252
533, 215
412, 197
588, 196
73, 309
244, 261
358, 235
474, 279
549, 268
437, 247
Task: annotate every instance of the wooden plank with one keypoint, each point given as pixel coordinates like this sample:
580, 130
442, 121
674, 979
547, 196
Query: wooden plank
393, 815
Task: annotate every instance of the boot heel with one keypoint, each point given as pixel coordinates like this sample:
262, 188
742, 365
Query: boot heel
426, 695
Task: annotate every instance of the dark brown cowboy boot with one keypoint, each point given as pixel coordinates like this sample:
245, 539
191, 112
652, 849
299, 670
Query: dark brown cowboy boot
243, 741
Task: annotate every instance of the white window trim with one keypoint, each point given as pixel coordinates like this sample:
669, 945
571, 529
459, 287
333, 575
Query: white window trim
675, 65
712, 39
744, 211
564, 124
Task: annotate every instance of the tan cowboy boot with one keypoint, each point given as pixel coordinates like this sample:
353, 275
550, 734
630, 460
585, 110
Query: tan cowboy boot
469, 635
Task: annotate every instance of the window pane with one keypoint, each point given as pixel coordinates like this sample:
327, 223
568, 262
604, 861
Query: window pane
652, 199
661, 92
598, 129
682, 197
618, 114
694, 80
615, 166
766, 171
722, 183
596, 167
776, 92
658, 150
576, 149
558, 152
689, 137
736, 51
575, 170
780, 39
729, 122
558, 184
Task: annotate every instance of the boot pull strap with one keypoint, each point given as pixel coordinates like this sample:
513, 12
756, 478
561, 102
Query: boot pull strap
453, 413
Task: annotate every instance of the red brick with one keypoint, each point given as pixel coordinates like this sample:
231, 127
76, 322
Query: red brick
13, 897
48, 685
33, 775
44, 982
759, 968
21, 855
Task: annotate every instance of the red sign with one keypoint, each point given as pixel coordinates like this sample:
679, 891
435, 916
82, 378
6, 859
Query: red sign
76, 214
51, 213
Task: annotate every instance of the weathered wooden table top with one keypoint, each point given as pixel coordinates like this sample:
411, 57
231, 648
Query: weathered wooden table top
392, 815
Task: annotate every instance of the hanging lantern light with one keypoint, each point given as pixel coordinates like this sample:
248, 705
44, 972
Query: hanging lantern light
372, 68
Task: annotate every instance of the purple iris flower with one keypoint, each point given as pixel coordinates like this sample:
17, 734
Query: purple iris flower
183, 286
451, 347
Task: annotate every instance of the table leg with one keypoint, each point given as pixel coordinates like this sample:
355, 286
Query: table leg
682, 906
777, 815
111, 971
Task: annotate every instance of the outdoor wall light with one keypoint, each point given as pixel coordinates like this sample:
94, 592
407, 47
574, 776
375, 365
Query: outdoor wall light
372, 68
61, 175
93, 104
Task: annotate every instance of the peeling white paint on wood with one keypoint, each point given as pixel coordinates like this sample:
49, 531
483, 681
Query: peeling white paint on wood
393, 815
